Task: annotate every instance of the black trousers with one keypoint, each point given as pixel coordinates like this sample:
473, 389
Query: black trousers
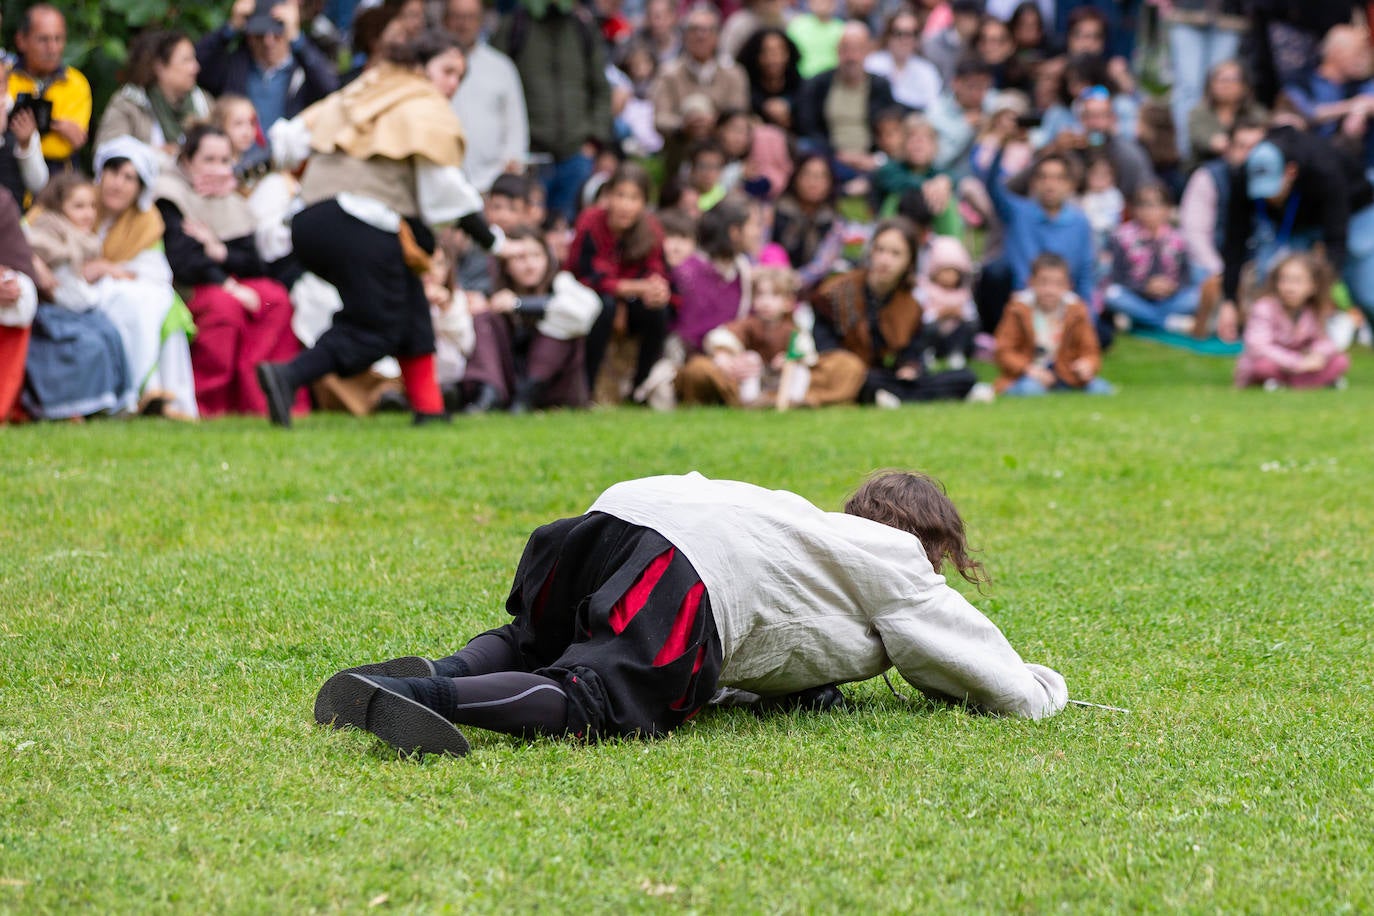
620, 619
649, 326
384, 312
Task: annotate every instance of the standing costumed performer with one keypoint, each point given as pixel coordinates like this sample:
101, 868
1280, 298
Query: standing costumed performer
385, 156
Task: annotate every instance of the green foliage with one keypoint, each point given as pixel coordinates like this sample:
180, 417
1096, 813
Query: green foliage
173, 596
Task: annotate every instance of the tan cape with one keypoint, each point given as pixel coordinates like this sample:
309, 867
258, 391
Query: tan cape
390, 112
59, 243
227, 217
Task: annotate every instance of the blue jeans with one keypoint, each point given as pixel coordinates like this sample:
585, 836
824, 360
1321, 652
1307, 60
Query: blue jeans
1194, 50
1358, 273
1027, 387
562, 181
1147, 311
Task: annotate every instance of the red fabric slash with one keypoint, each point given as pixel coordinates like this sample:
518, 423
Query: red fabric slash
682, 627
633, 601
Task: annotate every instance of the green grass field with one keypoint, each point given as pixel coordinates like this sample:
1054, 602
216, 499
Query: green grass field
171, 598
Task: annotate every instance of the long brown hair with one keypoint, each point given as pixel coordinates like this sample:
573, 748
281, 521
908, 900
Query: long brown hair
1322, 275
546, 282
639, 239
917, 504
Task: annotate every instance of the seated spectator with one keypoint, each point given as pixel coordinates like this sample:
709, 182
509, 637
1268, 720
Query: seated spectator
23, 171
915, 172
868, 328
1078, 75
713, 284
1035, 41
806, 224
1204, 36
744, 363
507, 207
705, 165
18, 305
242, 316
1337, 98
660, 31
679, 237
39, 73
530, 334
769, 58
236, 118
749, 20
915, 81
699, 72
490, 96
632, 82
1286, 340
959, 113
996, 48
128, 279
949, 318
1045, 340
1202, 220
76, 365
1151, 279
161, 98
1300, 190
817, 33
1226, 101
837, 108
1045, 221
1101, 200
758, 156
617, 250
1087, 38
260, 53
948, 40
1097, 129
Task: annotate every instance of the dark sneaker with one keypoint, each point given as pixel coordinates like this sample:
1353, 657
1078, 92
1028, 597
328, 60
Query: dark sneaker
406, 666
400, 721
274, 388
427, 419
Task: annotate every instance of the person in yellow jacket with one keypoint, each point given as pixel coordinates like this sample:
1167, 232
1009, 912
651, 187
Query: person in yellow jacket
40, 74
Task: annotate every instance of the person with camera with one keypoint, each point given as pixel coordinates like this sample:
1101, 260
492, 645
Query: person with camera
262, 54
58, 96
22, 168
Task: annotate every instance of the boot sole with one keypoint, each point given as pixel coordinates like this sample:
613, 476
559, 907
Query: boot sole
406, 666
399, 721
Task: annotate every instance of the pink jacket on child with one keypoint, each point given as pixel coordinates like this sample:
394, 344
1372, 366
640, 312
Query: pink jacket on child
1274, 339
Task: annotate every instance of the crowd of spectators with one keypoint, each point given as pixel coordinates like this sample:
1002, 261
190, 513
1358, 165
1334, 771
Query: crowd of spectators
779, 202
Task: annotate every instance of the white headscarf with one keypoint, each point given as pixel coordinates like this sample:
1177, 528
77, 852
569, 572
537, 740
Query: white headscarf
142, 156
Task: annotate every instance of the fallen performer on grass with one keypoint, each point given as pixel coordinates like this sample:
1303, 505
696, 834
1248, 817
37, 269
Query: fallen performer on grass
628, 619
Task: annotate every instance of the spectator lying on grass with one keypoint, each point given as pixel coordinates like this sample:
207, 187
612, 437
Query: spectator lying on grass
628, 619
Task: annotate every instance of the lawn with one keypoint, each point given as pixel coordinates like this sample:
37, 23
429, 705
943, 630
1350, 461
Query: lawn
171, 598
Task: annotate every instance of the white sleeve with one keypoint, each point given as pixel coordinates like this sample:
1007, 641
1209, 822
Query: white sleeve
20, 314
290, 143
150, 265
945, 646
33, 169
445, 193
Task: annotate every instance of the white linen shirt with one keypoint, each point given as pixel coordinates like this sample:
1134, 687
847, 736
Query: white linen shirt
803, 597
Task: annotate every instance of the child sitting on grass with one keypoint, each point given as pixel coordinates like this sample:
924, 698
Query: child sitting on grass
1286, 342
949, 318
1151, 281
629, 618
1046, 340
745, 362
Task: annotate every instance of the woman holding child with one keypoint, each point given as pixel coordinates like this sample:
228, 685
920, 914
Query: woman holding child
868, 327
